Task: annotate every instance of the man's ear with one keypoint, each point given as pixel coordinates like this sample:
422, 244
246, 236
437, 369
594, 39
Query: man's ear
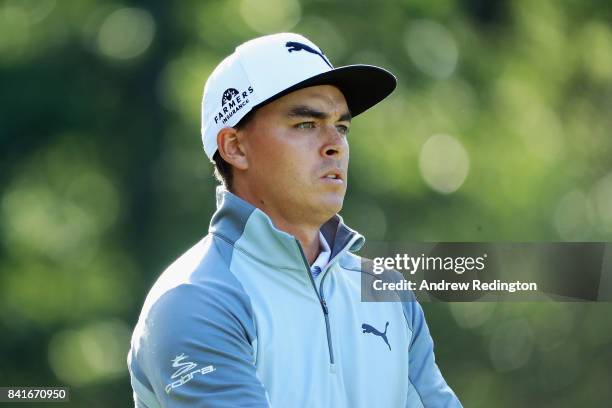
230, 148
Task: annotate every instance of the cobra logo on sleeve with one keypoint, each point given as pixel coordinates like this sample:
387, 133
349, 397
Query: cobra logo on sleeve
185, 371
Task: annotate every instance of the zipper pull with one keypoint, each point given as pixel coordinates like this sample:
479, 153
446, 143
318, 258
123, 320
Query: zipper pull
324, 304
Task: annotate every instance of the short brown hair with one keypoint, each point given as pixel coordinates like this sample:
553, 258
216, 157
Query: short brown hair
223, 170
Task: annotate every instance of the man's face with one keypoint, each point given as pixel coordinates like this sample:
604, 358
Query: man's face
297, 153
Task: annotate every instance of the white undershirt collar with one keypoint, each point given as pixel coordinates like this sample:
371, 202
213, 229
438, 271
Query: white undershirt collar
323, 259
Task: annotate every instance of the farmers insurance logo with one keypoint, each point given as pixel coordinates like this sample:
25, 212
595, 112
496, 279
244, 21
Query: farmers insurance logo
231, 102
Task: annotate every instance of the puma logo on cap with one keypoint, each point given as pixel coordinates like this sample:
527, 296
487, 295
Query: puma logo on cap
298, 46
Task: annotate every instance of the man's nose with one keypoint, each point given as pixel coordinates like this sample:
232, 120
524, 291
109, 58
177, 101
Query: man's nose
335, 142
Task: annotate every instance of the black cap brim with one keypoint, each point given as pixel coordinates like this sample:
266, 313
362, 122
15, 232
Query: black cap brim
363, 86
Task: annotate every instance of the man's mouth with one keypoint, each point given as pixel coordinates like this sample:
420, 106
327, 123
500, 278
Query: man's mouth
334, 175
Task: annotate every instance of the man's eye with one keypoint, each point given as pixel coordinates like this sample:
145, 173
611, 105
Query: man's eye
343, 129
305, 125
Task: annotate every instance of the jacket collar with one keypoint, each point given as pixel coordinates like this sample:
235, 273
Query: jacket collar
250, 230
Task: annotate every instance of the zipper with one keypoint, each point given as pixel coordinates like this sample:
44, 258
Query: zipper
329, 339
320, 295
321, 302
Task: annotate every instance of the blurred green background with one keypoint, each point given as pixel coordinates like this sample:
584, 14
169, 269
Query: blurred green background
500, 130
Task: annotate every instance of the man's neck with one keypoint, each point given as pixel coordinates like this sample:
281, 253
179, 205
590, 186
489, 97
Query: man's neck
307, 236
306, 233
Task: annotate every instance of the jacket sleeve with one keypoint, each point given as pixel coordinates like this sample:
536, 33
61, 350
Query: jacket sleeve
427, 386
197, 349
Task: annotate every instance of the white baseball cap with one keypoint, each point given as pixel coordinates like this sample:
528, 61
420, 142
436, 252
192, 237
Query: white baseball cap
266, 68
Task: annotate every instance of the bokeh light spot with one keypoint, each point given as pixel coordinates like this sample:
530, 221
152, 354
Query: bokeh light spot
573, 218
511, 344
453, 104
444, 163
321, 31
14, 32
601, 196
94, 353
472, 315
269, 16
432, 48
596, 49
37, 10
60, 218
126, 33
176, 88
373, 226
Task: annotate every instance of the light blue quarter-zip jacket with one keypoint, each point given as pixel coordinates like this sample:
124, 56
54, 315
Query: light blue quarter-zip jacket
239, 321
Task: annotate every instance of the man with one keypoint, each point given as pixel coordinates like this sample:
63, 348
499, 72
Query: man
266, 309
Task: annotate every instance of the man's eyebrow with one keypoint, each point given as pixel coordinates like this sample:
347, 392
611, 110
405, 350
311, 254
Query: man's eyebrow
303, 111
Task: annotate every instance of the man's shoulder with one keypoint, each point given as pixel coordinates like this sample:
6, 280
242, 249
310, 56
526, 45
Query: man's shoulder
195, 306
200, 276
